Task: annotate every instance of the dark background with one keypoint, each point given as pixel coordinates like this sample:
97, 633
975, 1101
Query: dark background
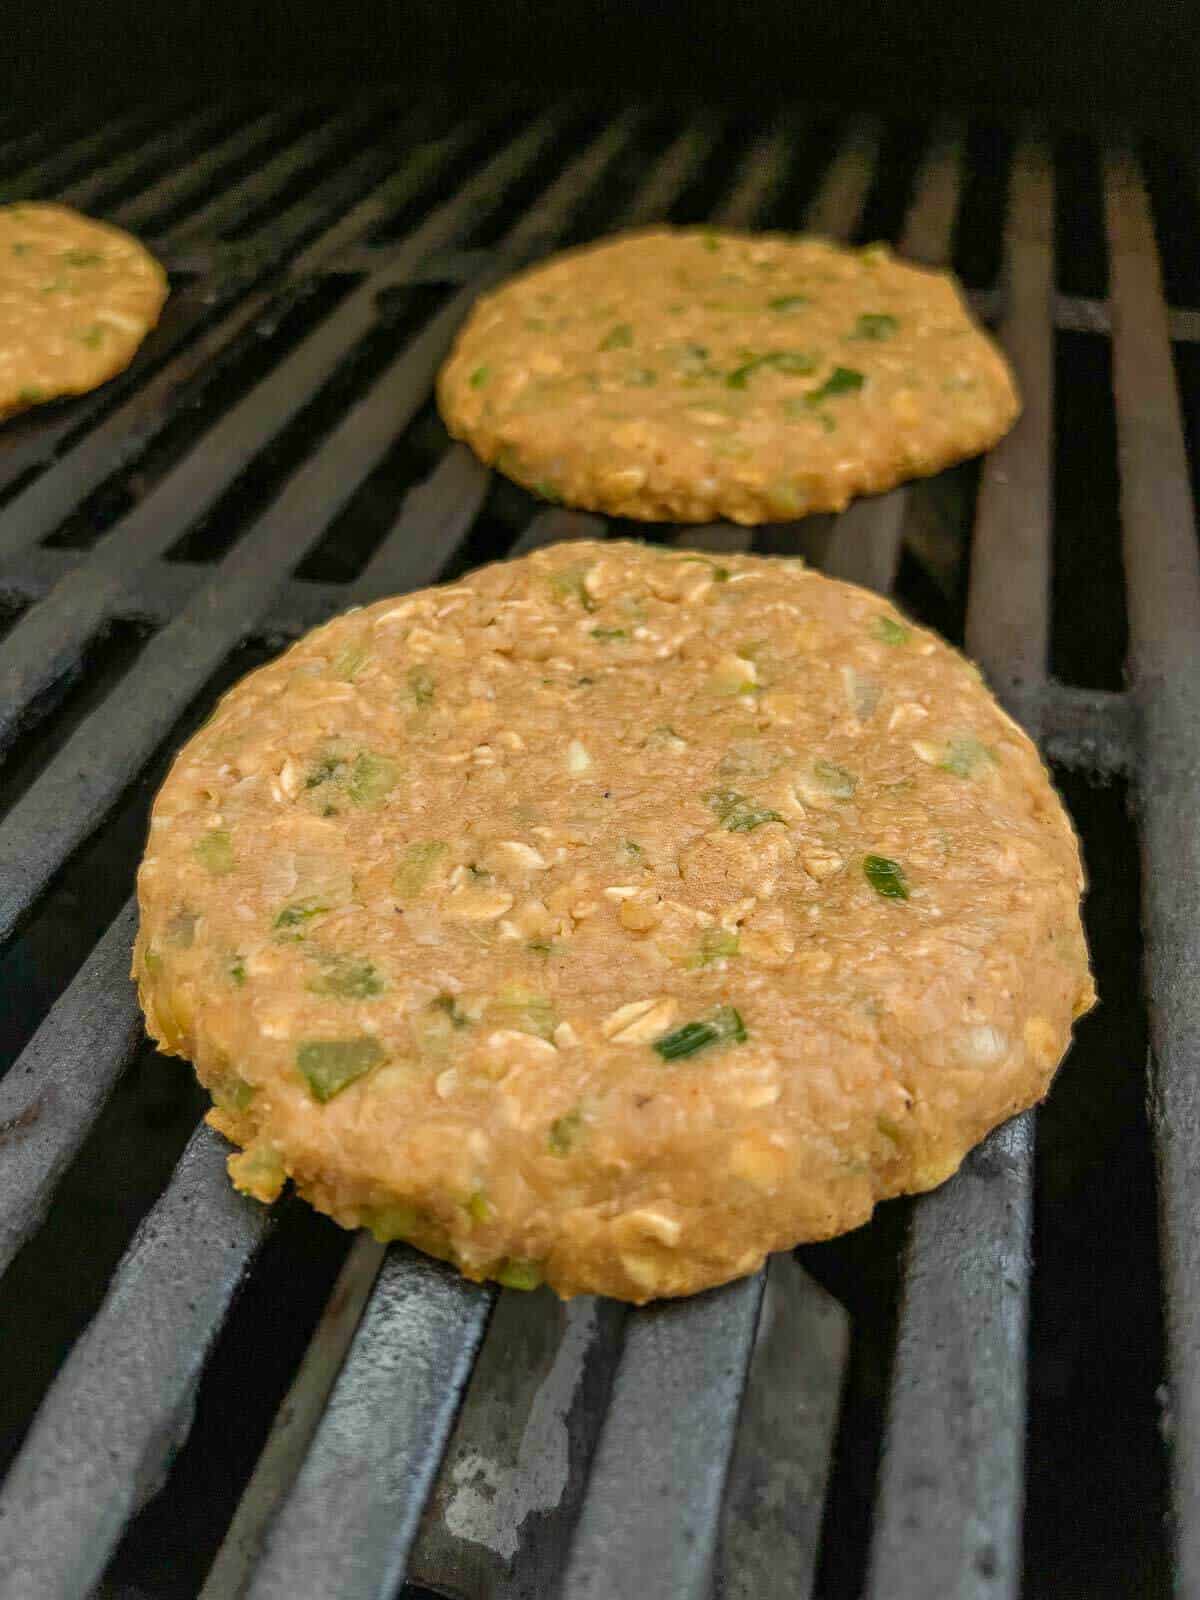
1077, 60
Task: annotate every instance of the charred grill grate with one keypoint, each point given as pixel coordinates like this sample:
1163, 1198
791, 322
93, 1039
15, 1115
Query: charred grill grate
271, 458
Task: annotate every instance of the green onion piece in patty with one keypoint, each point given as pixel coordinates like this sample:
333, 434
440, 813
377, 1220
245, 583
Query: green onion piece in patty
214, 849
371, 778
519, 1274
480, 376
618, 338
563, 1133
793, 362
842, 380
722, 1026
737, 814
349, 978
421, 685
331, 1065
890, 631
788, 302
416, 865
875, 325
886, 877
300, 912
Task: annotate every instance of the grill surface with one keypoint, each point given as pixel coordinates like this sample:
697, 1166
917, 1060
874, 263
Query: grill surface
273, 457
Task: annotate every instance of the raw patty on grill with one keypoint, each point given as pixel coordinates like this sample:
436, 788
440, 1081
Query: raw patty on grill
77, 298
690, 374
612, 917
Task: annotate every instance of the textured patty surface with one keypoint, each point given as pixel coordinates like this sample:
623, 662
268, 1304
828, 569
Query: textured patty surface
612, 916
77, 298
685, 375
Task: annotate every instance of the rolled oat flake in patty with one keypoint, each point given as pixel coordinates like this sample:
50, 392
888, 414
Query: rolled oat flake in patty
686, 374
611, 917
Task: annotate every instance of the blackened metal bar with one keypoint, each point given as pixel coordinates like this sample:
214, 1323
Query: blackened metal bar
296, 1422
433, 522
88, 192
122, 1403
671, 175
761, 177
838, 204
55, 1089
348, 1524
1159, 532
35, 512
89, 772
143, 207
948, 1518
231, 207
865, 544
49, 637
41, 180
652, 1513
771, 1529
527, 1429
557, 526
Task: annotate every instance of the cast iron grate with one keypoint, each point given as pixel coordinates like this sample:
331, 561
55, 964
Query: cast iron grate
272, 458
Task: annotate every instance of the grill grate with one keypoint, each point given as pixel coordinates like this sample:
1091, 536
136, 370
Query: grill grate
322, 260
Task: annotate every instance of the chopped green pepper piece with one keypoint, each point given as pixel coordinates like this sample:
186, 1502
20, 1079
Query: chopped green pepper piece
324, 771
889, 631
237, 971
392, 1222
92, 336
610, 633
568, 584
886, 877
514, 1274
214, 849
371, 778
842, 380
788, 302
875, 325
480, 376
31, 394
737, 814
563, 1132
331, 1065
82, 258
480, 1207
618, 338
722, 1026
349, 978
416, 864
22, 247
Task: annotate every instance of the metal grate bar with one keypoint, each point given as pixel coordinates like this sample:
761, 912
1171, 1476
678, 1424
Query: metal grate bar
50, 637
651, 1517
46, 176
56, 1087
1164, 613
836, 208
229, 208
145, 206
348, 1525
671, 175
296, 1422
775, 1498
761, 177
87, 191
122, 1402
435, 518
865, 543
948, 1518
38, 510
